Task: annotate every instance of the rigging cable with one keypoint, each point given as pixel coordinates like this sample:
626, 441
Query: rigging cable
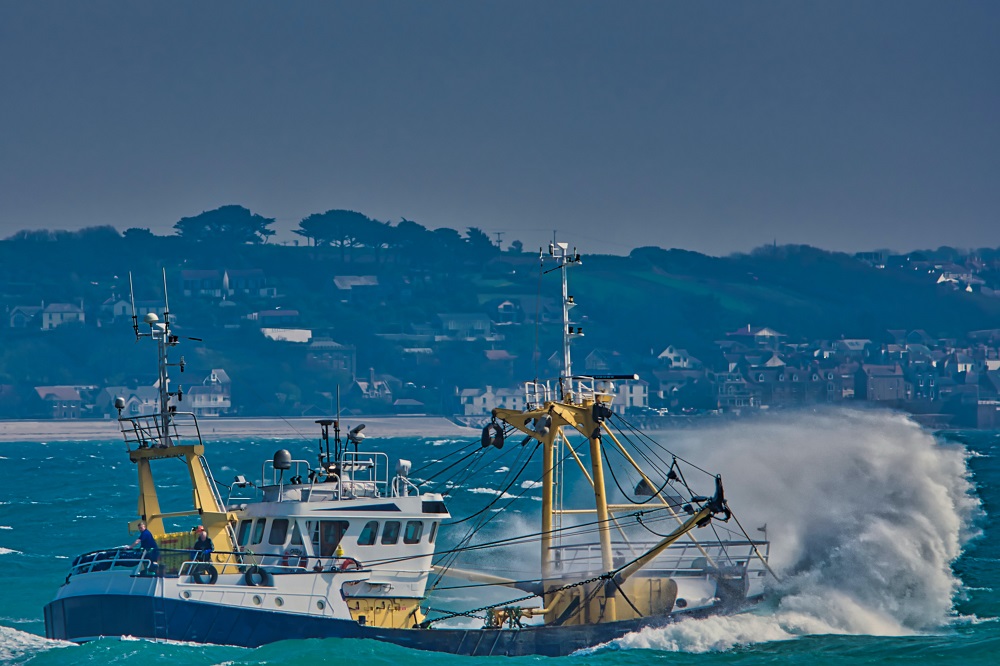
501, 493
653, 441
473, 529
753, 545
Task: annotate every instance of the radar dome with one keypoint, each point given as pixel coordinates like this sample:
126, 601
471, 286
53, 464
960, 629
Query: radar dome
282, 459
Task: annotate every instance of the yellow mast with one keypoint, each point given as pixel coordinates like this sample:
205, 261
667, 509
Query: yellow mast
160, 436
581, 406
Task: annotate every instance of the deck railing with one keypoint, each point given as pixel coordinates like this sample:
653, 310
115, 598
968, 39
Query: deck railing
184, 562
151, 432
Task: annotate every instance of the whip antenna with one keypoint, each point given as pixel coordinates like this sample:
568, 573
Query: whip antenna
166, 301
131, 293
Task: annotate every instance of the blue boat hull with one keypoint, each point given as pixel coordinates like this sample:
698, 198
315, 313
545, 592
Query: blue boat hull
84, 618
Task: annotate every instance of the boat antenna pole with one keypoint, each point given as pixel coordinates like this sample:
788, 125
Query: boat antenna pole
565, 259
336, 427
164, 340
135, 319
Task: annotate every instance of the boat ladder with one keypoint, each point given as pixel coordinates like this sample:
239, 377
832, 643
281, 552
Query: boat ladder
160, 628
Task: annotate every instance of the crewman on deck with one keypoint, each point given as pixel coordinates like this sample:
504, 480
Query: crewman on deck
147, 543
203, 546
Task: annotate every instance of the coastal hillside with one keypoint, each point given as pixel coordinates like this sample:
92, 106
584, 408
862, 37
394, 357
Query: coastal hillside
420, 314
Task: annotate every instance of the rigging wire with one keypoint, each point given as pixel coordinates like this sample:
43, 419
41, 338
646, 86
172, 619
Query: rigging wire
581, 529
473, 529
438, 461
611, 469
500, 494
654, 442
753, 544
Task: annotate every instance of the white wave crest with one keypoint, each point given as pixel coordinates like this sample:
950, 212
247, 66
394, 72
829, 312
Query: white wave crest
491, 491
16, 646
866, 513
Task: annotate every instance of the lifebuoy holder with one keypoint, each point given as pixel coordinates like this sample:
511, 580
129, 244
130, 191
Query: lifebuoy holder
350, 564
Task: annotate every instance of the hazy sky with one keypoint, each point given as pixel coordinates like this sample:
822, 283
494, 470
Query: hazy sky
711, 126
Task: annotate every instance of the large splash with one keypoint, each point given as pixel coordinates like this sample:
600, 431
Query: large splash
866, 512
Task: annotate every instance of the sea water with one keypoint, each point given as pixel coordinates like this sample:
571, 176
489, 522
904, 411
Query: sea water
884, 536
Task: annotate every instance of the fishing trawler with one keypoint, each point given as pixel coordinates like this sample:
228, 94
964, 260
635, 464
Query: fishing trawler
346, 549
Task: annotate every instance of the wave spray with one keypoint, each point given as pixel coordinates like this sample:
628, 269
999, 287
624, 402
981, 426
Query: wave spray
866, 512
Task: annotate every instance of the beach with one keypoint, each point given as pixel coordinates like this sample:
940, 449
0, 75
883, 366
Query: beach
237, 428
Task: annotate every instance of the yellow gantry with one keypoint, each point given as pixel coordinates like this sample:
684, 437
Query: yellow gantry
213, 516
596, 601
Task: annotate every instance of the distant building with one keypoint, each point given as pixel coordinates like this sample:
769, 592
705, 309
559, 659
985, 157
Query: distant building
55, 315
460, 326
879, 383
212, 398
757, 336
277, 318
297, 335
374, 389
631, 396
674, 357
482, 401
25, 316
64, 402
206, 283
325, 354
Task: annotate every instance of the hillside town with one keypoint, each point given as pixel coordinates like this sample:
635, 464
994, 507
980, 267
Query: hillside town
943, 382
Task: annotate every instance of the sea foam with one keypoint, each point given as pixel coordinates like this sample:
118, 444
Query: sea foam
866, 512
16, 646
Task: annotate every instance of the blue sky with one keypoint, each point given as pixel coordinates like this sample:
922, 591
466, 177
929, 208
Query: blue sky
715, 127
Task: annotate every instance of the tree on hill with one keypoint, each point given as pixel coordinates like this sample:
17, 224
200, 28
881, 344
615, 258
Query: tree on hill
337, 228
480, 243
374, 235
227, 224
138, 234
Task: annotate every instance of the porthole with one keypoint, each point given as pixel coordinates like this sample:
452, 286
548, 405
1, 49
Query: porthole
257, 601
321, 604
186, 594
681, 603
278, 601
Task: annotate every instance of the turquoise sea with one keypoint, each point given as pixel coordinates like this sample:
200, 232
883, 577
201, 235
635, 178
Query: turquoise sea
885, 536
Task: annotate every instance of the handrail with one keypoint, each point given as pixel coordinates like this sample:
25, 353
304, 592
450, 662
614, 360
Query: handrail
138, 562
148, 431
220, 505
679, 557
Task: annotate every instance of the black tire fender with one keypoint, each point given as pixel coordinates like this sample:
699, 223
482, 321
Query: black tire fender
255, 576
205, 574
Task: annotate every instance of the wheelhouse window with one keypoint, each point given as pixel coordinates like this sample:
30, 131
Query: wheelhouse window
414, 528
368, 533
279, 531
390, 533
327, 535
244, 536
258, 531
434, 532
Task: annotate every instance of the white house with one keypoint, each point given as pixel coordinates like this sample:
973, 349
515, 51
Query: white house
481, 402
677, 358
59, 314
631, 396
